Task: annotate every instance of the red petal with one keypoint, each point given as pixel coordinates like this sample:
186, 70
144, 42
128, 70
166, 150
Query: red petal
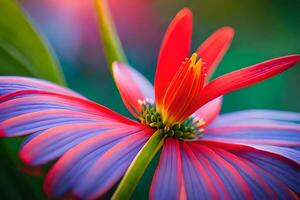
174, 49
243, 78
213, 49
132, 86
183, 89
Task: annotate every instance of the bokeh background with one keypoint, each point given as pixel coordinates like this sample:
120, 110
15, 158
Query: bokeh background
264, 29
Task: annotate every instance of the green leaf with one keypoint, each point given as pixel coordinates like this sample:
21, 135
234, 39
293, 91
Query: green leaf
138, 166
110, 40
22, 49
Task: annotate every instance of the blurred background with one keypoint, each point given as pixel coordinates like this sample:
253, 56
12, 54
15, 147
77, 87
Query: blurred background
264, 29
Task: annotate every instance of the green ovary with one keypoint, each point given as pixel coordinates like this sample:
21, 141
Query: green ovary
187, 130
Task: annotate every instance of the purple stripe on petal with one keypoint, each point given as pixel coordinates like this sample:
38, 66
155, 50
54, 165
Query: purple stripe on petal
279, 135
73, 165
282, 190
41, 120
109, 168
54, 142
10, 84
257, 116
259, 187
233, 181
197, 182
289, 153
166, 183
284, 171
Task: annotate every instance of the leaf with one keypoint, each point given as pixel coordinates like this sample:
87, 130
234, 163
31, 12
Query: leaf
110, 40
138, 167
23, 51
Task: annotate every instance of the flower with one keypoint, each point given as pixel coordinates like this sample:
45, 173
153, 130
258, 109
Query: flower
241, 155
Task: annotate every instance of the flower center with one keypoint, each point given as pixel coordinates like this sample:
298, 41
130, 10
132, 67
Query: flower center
189, 129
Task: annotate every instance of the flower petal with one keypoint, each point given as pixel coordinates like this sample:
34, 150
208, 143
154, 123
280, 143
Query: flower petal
54, 142
213, 49
65, 102
183, 89
132, 86
209, 111
27, 111
41, 120
10, 84
174, 49
284, 171
243, 78
110, 167
167, 181
258, 128
235, 185
74, 164
261, 189
257, 117
196, 179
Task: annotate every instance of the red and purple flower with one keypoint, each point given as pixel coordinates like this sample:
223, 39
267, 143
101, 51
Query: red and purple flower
251, 154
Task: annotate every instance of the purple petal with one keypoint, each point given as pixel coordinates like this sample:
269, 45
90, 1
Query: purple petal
54, 142
284, 171
109, 168
10, 84
167, 181
76, 162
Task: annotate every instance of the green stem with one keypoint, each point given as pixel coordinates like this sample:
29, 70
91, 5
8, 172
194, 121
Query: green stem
138, 167
110, 40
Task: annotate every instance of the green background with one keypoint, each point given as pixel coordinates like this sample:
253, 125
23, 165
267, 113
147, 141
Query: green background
264, 29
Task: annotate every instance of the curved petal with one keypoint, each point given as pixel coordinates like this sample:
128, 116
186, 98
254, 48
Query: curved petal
243, 78
282, 190
41, 120
260, 187
10, 84
167, 181
74, 164
54, 142
261, 183
110, 167
174, 49
229, 180
257, 117
196, 179
60, 100
209, 111
284, 171
28, 111
213, 49
133, 86
258, 128
256, 134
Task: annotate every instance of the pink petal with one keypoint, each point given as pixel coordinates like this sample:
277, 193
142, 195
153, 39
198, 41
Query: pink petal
209, 111
132, 86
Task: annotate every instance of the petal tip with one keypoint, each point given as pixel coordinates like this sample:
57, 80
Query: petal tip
185, 12
227, 32
2, 134
24, 157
